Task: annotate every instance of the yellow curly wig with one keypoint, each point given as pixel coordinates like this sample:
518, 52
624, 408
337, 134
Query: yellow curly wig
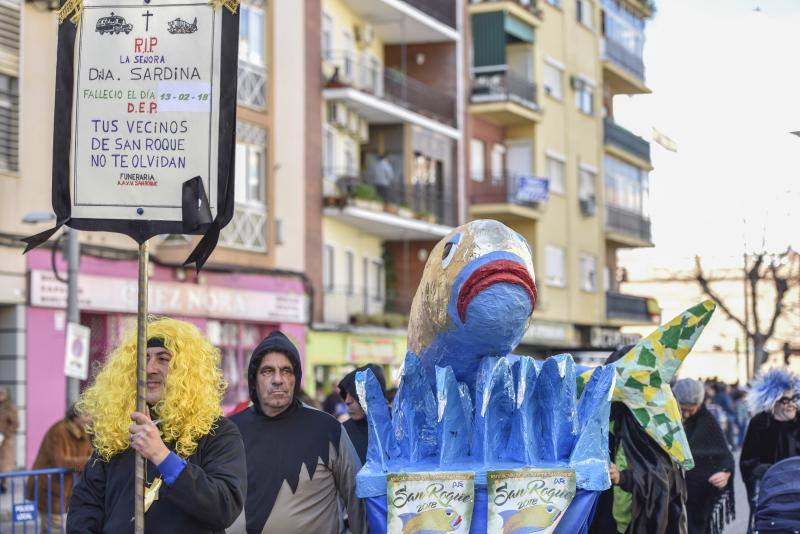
192, 401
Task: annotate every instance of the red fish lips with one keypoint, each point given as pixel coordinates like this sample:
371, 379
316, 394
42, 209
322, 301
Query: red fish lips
494, 272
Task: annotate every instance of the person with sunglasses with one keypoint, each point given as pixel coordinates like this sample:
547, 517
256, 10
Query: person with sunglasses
774, 431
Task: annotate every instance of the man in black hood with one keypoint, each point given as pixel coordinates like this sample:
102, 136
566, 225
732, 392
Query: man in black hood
356, 426
299, 461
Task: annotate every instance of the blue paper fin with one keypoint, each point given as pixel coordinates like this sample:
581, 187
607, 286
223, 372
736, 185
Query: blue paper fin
414, 413
453, 425
494, 412
555, 419
590, 455
521, 443
381, 446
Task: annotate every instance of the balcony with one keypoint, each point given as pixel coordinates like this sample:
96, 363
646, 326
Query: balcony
410, 21
504, 98
622, 143
442, 10
387, 96
247, 230
525, 10
342, 304
519, 197
624, 70
628, 309
392, 212
251, 90
626, 228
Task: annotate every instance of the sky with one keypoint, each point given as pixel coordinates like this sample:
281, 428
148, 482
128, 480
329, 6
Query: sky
726, 89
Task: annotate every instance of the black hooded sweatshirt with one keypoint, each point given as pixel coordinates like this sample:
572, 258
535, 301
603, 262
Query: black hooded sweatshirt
298, 462
358, 431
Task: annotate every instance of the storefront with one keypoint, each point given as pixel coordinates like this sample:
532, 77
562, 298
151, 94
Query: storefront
234, 310
332, 354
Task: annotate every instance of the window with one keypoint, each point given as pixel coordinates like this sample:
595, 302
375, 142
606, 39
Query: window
588, 273
9, 123
555, 266
328, 271
327, 36
585, 12
377, 282
556, 3
476, 156
622, 26
584, 97
498, 155
347, 50
555, 173
351, 169
250, 168
251, 34
553, 86
328, 151
350, 266
626, 186
586, 191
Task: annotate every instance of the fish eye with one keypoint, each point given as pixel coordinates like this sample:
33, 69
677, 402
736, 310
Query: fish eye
449, 250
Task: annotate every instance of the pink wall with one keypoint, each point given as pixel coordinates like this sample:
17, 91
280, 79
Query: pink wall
46, 399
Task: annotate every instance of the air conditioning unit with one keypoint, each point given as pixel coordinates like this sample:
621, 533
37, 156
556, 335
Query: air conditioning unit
337, 114
576, 83
365, 35
588, 206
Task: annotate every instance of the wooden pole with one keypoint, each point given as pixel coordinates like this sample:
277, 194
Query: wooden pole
141, 384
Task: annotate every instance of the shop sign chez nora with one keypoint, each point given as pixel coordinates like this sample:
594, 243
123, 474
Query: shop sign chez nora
437, 501
144, 120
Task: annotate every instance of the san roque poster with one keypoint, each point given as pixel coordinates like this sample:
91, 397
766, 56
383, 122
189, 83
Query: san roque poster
438, 501
528, 500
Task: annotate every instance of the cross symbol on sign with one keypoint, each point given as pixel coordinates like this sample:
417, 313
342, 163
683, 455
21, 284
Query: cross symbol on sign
147, 16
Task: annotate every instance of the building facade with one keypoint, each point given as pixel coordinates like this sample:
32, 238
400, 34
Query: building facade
547, 158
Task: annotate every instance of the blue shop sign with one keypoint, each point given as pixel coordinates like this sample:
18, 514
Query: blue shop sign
532, 189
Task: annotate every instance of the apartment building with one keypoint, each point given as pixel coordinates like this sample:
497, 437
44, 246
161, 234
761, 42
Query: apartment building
547, 158
390, 125
253, 283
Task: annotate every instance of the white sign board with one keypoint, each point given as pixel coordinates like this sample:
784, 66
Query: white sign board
76, 351
111, 294
145, 115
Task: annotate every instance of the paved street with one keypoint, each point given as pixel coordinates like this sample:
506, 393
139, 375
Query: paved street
739, 526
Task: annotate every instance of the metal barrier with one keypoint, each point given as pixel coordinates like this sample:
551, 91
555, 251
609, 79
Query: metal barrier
21, 511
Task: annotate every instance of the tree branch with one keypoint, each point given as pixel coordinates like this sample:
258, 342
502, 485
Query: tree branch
781, 287
753, 276
703, 281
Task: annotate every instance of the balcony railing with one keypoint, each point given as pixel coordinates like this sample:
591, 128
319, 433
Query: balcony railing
422, 201
341, 302
529, 5
442, 10
628, 223
617, 53
627, 307
529, 191
355, 70
247, 230
501, 86
252, 85
614, 134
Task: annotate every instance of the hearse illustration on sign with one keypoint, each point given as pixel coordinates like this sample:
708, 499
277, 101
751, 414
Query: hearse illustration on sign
181, 26
113, 24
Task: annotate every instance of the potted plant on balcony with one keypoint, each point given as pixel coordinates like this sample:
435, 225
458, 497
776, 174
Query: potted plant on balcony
394, 209
405, 211
426, 216
366, 196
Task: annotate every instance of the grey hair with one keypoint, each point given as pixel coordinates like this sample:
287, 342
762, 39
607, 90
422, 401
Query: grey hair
689, 391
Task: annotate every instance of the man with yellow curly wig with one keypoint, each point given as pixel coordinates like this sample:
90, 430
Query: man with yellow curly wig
194, 458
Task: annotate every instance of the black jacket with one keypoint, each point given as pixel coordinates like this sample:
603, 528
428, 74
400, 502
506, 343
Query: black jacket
766, 442
207, 496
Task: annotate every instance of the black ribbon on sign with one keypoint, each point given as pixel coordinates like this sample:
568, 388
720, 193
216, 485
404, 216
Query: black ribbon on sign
195, 205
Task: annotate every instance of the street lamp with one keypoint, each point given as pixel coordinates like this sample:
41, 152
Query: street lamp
73, 259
